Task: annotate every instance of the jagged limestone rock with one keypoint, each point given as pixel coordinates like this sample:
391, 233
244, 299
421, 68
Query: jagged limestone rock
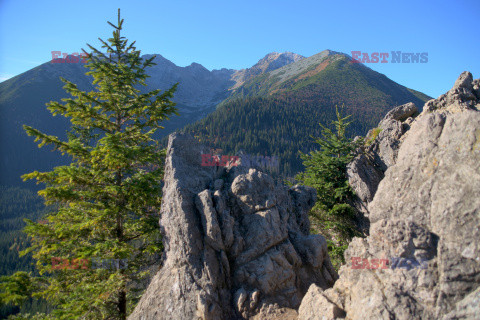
463, 96
237, 245
425, 209
368, 168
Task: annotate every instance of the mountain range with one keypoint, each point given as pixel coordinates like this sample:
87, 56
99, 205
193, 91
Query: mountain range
276, 111
280, 99
271, 108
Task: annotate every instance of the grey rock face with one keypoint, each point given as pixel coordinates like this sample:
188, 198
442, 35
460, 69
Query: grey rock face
402, 113
426, 210
467, 308
274, 312
317, 306
463, 96
367, 169
237, 245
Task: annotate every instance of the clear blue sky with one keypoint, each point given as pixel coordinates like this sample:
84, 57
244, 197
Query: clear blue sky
236, 34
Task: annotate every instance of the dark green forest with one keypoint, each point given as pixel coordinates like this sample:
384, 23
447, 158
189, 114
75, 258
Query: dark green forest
15, 205
280, 126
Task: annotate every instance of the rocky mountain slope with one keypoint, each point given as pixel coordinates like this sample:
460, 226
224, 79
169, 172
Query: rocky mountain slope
237, 245
327, 72
419, 184
270, 62
23, 98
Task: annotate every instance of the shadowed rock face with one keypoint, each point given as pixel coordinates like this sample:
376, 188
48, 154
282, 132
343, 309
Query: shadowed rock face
368, 168
426, 208
237, 245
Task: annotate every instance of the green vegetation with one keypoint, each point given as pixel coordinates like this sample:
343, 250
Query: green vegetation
326, 171
373, 136
279, 125
105, 201
15, 205
268, 115
420, 95
339, 81
104, 198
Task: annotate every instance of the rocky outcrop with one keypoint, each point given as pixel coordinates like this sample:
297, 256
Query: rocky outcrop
425, 222
237, 245
463, 96
380, 152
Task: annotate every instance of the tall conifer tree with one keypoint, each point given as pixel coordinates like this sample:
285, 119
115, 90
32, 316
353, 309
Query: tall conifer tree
106, 201
326, 171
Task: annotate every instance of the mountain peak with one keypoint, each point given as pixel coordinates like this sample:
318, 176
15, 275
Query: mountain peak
197, 67
270, 62
275, 60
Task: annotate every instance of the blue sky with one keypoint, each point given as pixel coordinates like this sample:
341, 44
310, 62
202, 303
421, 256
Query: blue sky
236, 34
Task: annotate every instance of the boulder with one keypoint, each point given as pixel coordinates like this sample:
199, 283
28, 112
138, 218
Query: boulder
463, 96
237, 246
315, 304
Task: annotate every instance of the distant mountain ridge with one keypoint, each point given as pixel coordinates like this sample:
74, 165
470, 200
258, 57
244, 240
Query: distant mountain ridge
306, 71
270, 62
200, 91
23, 98
276, 112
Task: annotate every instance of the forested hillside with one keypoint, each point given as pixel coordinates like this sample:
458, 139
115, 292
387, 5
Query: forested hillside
275, 115
17, 204
266, 126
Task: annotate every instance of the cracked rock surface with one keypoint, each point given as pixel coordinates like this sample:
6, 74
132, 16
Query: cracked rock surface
237, 245
426, 208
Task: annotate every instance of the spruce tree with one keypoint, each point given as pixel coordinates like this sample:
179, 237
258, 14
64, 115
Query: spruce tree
105, 203
326, 171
